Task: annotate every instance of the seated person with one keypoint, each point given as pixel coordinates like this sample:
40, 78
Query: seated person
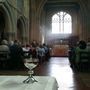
4, 46
82, 46
71, 55
88, 46
26, 51
41, 53
4, 54
16, 54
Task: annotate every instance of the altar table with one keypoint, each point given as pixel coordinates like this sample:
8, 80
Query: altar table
16, 83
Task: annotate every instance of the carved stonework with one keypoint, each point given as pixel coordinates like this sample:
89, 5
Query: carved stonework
2, 0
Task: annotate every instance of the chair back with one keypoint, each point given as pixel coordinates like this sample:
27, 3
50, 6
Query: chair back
84, 56
4, 55
84, 61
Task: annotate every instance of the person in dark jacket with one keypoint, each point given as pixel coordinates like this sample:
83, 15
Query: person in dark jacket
16, 54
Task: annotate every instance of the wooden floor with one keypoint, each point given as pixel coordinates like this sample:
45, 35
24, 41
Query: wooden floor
59, 68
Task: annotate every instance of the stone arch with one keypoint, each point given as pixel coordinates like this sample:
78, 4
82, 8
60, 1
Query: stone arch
72, 12
2, 24
21, 29
83, 16
51, 13
9, 29
42, 3
38, 16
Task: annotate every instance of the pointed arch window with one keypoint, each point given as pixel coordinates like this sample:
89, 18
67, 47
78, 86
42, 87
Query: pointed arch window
61, 23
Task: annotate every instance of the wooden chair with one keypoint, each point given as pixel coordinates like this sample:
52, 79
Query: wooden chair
84, 61
4, 57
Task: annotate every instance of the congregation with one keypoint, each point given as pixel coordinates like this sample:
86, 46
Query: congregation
14, 53
79, 56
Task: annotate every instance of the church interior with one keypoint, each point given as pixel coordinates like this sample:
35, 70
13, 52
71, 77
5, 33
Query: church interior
50, 31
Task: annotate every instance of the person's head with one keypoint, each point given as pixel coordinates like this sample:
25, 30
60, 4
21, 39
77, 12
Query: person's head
11, 43
44, 44
15, 42
4, 42
41, 46
27, 45
88, 44
82, 44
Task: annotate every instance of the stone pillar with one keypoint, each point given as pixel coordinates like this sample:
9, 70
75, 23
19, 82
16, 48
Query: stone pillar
34, 28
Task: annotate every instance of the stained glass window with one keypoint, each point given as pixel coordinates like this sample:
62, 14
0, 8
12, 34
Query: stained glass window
61, 23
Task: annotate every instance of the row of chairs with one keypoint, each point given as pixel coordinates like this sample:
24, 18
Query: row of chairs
83, 63
7, 63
